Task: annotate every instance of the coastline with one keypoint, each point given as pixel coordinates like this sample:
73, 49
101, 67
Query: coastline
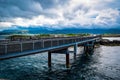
107, 39
108, 42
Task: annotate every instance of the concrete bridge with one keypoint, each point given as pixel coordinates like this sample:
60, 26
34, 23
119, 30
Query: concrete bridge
13, 49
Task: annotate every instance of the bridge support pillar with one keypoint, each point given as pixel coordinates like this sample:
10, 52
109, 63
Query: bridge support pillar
67, 60
49, 59
75, 51
89, 47
61, 51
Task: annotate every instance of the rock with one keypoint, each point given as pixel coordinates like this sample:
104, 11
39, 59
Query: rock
116, 41
104, 41
108, 42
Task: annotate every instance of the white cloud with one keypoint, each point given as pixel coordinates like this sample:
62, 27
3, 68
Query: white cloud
84, 13
107, 17
6, 24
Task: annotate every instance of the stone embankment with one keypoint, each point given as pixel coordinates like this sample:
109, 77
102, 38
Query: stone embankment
110, 43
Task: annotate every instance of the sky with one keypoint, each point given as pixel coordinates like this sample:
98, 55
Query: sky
60, 13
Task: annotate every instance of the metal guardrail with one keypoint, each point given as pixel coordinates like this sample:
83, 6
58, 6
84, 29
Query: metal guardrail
21, 46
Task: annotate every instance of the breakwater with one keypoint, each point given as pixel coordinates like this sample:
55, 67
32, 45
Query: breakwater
110, 42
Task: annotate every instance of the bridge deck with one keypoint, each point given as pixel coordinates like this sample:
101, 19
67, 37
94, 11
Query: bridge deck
22, 48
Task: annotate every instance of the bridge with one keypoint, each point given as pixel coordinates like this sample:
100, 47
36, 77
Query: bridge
13, 49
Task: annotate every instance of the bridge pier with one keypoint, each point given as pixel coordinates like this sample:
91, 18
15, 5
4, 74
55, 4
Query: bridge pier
75, 51
67, 60
61, 51
89, 47
49, 60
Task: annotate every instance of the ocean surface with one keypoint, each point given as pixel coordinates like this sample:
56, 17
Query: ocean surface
3, 36
103, 64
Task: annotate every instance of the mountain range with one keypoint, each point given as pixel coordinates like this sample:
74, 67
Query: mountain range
45, 30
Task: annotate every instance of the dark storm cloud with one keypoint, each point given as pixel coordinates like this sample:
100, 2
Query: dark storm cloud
51, 3
26, 8
20, 8
59, 12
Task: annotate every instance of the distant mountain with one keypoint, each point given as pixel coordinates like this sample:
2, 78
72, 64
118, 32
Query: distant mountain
45, 30
93, 31
7, 32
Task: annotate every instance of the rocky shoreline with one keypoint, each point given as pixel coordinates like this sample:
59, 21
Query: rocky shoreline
107, 42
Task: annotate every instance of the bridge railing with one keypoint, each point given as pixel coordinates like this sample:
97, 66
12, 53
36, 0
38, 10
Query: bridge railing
20, 46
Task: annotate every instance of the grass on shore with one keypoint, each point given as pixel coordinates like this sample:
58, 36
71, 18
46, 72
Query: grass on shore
110, 35
37, 36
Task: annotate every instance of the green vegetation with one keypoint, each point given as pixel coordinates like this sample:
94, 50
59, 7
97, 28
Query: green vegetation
18, 37
110, 35
42, 35
38, 36
85, 34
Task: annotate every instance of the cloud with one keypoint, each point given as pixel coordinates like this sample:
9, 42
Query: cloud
60, 13
19, 8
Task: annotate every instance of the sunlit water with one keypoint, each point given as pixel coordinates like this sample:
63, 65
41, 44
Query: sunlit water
103, 64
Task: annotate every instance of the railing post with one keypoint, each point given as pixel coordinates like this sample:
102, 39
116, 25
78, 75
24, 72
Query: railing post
51, 42
6, 48
43, 43
63, 41
75, 39
21, 46
33, 45
57, 42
